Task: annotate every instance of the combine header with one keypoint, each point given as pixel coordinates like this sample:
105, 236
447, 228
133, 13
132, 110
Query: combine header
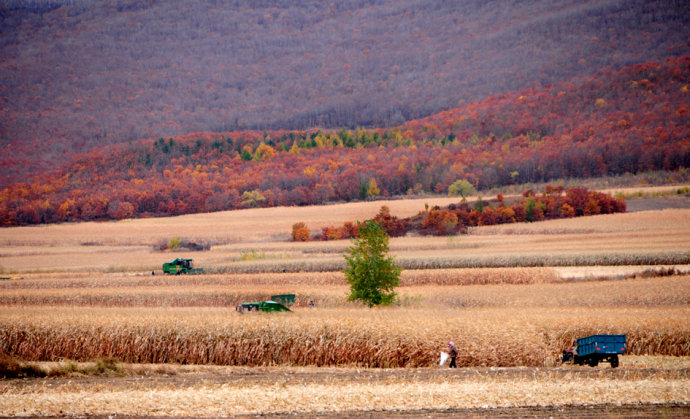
277, 303
265, 306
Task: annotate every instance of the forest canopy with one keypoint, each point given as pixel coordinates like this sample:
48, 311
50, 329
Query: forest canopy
631, 120
82, 74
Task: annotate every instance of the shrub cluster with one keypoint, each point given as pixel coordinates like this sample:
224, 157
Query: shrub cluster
300, 232
182, 244
555, 202
394, 226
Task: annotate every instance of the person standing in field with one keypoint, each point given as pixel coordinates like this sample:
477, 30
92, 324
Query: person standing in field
453, 353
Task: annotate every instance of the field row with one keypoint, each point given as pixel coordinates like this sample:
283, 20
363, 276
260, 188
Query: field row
495, 288
504, 336
619, 239
219, 263
410, 277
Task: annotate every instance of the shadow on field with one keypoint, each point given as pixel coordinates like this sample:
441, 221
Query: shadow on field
592, 411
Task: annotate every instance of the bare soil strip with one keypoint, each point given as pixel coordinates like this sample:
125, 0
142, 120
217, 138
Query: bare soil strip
665, 410
156, 376
636, 389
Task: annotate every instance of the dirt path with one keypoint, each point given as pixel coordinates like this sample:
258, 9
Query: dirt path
180, 377
593, 411
192, 390
657, 203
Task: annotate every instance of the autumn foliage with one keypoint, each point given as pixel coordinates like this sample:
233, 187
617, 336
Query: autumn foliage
555, 202
82, 75
559, 131
300, 232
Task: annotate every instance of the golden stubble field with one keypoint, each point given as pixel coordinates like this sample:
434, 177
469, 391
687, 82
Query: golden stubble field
86, 292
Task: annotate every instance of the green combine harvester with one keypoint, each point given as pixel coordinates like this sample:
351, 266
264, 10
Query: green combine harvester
285, 299
277, 303
179, 266
265, 306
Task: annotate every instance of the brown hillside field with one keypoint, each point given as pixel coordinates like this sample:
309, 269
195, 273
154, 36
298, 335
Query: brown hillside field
649, 237
85, 292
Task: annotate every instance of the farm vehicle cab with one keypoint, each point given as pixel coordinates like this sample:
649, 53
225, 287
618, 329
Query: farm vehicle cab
593, 349
179, 266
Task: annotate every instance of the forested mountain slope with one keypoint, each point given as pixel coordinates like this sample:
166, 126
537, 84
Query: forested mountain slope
77, 74
629, 120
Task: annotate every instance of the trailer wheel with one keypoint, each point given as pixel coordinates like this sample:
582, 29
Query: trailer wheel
592, 362
614, 361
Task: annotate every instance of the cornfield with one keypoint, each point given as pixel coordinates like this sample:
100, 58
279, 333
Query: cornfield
345, 337
87, 292
499, 324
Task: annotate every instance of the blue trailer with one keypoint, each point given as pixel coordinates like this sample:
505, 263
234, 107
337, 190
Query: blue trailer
596, 348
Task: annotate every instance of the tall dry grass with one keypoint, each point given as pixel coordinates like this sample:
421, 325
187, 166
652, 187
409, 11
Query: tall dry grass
522, 317
370, 338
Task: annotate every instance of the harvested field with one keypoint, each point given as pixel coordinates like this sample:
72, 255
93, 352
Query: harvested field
239, 226
644, 238
511, 297
324, 392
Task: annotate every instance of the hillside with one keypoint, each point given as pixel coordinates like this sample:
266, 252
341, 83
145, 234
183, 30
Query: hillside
627, 121
79, 74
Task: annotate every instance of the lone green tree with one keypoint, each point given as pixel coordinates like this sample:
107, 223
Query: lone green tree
461, 187
371, 273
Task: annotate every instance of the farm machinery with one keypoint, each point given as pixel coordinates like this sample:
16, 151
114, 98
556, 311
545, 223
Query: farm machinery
265, 306
593, 349
179, 266
277, 303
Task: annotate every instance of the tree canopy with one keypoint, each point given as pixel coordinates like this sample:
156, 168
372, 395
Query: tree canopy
461, 187
371, 272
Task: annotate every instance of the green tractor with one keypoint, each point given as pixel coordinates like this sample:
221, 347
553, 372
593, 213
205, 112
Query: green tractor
179, 266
